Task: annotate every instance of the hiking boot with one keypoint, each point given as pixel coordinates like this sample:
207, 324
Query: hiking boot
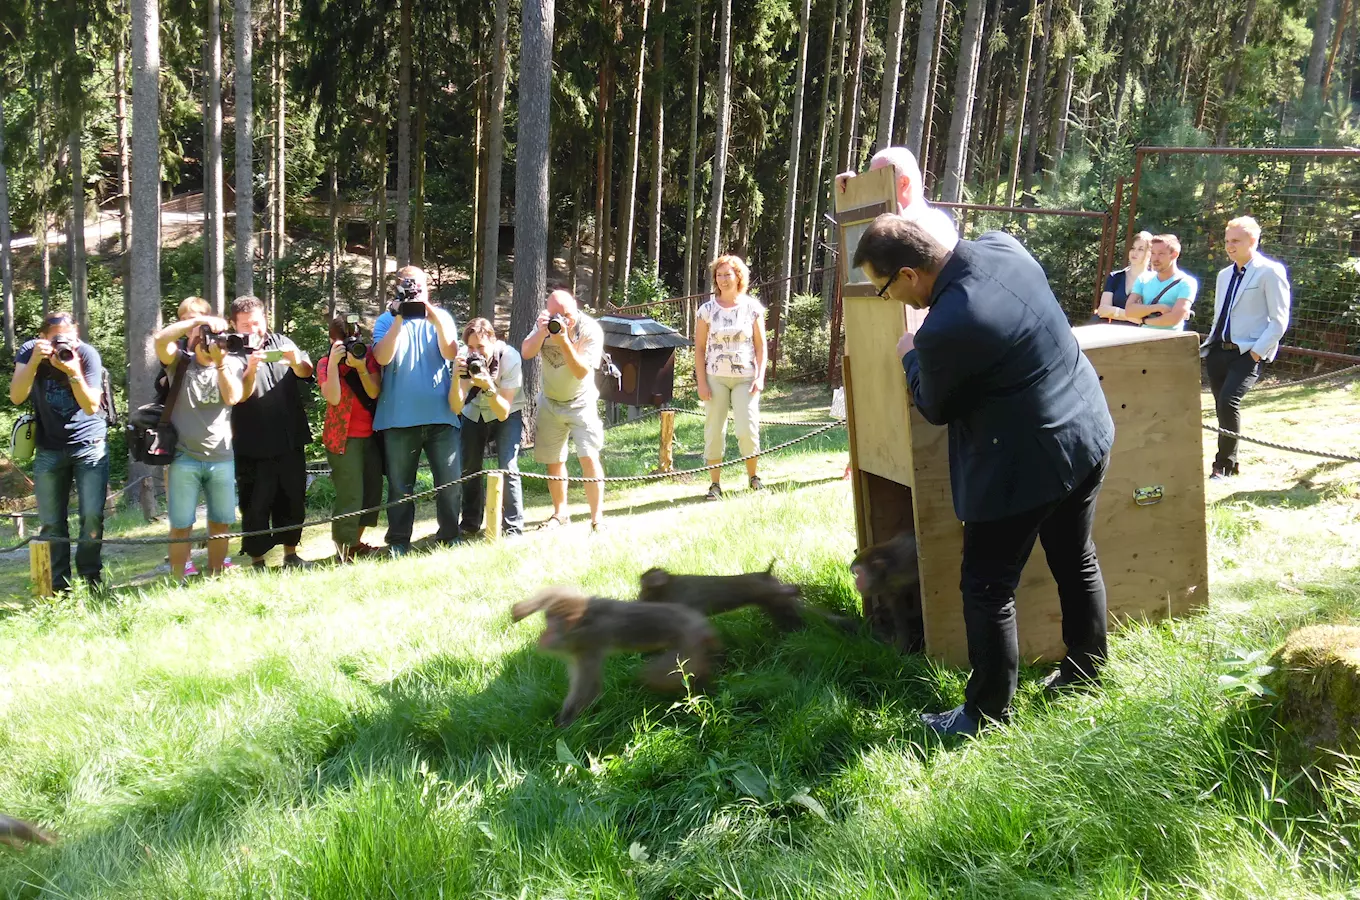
714, 492
293, 561
1056, 683
956, 721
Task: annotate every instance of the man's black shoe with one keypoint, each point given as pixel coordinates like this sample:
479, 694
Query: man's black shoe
1055, 683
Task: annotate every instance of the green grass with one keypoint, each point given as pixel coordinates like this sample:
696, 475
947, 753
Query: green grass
385, 731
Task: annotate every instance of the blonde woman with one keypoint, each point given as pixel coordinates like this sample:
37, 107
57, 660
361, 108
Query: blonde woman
729, 359
1119, 284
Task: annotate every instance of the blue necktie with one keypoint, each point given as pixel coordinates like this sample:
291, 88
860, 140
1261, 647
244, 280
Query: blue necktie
1223, 329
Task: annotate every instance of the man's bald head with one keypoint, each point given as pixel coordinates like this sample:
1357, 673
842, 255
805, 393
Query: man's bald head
561, 303
907, 171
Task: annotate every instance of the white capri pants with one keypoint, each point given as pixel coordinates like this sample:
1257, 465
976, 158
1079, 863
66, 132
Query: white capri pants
734, 393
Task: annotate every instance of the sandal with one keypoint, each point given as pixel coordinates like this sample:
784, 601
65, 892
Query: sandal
552, 522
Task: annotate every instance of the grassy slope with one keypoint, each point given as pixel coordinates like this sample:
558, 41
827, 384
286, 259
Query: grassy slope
384, 730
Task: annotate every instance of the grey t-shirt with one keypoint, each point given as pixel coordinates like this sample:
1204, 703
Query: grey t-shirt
559, 383
201, 418
509, 374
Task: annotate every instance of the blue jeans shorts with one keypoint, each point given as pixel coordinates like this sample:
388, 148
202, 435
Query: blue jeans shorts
216, 481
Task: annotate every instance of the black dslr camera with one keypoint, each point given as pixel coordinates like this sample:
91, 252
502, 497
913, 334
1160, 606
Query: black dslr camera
230, 341
476, 363
556, 324
355, 345
64, 347
407, 304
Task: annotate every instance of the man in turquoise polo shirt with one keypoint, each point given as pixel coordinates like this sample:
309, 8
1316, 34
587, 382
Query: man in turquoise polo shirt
413, 410
1162, 296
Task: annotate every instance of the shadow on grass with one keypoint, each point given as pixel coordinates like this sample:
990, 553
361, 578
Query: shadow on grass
1305, 492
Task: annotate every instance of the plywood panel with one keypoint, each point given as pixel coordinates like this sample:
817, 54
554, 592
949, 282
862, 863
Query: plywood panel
882, 435
1154, 558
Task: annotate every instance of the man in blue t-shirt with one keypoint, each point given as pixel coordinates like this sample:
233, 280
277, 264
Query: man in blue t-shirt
413, 412
1162, 296
63, 376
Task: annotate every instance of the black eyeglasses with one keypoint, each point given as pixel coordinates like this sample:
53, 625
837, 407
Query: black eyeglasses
887, 284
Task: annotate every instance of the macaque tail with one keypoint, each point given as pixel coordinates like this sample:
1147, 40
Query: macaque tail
544, 598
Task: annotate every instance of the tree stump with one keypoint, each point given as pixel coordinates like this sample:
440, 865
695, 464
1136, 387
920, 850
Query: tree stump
1317, 686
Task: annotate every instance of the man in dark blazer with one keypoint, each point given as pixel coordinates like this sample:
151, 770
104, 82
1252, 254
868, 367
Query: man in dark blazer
1029, 442
1251, 313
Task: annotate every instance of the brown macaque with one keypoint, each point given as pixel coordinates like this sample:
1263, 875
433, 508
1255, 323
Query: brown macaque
887, 576
584, 630
17, 832
715, 594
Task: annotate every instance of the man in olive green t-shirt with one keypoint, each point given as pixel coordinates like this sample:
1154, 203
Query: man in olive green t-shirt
572, 346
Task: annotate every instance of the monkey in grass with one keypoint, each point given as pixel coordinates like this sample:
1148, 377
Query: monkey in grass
716, 594
17, 832
889, 572
584, 630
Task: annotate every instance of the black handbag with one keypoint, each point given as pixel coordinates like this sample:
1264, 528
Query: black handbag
151, 439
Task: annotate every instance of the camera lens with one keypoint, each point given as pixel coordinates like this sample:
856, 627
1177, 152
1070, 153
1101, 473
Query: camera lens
474, 366
554, 325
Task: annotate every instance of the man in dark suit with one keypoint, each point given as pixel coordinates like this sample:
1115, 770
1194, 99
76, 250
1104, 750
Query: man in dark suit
1251, 313
1029, 441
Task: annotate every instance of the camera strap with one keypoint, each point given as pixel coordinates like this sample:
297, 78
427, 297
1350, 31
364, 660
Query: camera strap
356, 384
182, 363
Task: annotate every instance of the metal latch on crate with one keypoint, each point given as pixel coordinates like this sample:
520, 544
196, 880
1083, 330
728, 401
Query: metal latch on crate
1146, 496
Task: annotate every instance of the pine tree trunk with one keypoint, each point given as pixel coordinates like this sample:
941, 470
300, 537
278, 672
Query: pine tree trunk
120, 115
76, 224
574, 253
245, 148
892, 68
1036, 106
144, 318
1338, 31
479, 169
658, 141
531, 182
422, 119
724, 108
495, 156
1317, 55
6, 263
961, 126
930, 140
214, 221
628, 202
691, 217
815, 188
1024, 99
333, 178
921, 78
603, 165
404, 140
1063, 109
280, 147
607, 227
846, 155
786, 246
1124, 60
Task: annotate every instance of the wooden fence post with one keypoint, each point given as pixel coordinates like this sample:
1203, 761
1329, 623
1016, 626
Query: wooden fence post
495, 503
666, 463
40, 568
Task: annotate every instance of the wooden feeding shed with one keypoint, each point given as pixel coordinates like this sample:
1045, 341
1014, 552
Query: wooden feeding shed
1150, 527
644, 351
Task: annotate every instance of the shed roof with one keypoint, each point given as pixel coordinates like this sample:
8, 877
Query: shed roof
640, 333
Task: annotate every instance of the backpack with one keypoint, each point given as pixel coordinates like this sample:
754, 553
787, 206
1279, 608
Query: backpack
151, 438
106, 400
23, 438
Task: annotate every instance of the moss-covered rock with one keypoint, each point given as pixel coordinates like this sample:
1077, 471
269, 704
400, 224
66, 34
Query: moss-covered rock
1317, 686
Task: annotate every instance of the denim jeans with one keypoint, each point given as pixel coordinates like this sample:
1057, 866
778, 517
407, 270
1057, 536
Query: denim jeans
508, 435
54, 471
188, 478
403, 446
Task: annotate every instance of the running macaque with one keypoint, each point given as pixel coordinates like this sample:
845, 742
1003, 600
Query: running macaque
17, 832
887, 576
716, 594
584, 630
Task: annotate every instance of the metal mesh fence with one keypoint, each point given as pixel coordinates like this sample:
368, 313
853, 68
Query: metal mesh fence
1307, 202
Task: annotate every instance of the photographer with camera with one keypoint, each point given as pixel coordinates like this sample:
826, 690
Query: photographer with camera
63, 376
205, 381
572, 344
487, 396
271, 434
350, 381
415, 343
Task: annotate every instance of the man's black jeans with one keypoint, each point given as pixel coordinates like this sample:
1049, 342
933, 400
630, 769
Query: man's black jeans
1231, 375
994, 553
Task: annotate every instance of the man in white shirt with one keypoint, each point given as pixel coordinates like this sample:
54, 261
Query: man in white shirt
1251, 313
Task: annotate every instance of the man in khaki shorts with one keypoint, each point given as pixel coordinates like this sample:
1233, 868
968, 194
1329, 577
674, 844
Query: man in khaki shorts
572, 345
